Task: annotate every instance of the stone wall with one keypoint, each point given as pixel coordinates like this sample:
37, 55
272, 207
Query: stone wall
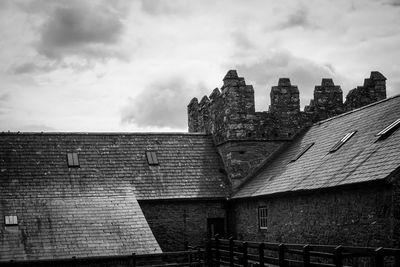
229, 115
358, 216
174, 222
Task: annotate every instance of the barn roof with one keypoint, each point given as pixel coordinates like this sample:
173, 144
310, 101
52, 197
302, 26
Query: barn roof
363, 157
92, 209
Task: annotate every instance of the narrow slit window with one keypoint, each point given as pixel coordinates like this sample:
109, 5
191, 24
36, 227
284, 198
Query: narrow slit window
72, 160
11, 220
342, 141
302, 151
152, 158
389, 130
263, 217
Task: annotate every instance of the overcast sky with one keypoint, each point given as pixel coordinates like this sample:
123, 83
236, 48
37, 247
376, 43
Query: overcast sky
135, 65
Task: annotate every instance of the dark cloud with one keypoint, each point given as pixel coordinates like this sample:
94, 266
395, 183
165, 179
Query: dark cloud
162, 104
79, 30
5, 97
299, 18
302, 72
165, 7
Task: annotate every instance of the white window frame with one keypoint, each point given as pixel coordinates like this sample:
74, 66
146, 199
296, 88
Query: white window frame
263, 217
10, 220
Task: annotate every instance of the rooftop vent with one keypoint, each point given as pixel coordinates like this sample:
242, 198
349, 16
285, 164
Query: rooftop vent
72, 160
342, 141
152, 158
11, 220
302, 151
388, 130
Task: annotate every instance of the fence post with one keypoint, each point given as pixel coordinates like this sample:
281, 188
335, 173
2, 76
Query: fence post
306, 256
337, 256
261, 254
379, 262
281, 255
133, 260
231, 263
74, 262
186, 245
209, 252
217, 255
245, 256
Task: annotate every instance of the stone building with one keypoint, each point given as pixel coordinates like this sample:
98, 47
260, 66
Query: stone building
328, 174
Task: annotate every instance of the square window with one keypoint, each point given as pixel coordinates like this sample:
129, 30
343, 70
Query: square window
72, 159
152, 158
263, 217
11, 220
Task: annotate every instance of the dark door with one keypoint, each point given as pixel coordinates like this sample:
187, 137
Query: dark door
216, 226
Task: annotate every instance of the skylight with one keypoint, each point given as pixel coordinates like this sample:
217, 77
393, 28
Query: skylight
10, 220
151, 157
389, 129
302, 151
342, 141
72, 160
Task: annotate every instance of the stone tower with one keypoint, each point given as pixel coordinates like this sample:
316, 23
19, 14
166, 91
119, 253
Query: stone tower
328, 100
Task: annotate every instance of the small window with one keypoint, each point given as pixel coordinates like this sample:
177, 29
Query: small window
263, 217
389, 130
72, 159
341, 142
11, 220
152, 158
302, 151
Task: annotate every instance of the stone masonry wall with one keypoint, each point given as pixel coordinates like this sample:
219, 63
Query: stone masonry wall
175, 222
229, 115
361, 217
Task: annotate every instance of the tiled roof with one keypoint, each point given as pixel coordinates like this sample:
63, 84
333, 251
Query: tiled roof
189, 166
93, 210
61, 227
360, 159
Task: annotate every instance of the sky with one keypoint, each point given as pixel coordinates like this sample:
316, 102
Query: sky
133, 66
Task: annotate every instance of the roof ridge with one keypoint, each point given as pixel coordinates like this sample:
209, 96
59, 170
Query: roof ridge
357, 109
103, 133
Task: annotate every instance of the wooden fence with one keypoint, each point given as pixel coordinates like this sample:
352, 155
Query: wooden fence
234, 253
189, 258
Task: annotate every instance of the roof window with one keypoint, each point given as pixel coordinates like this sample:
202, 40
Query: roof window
72, 160
389, 130
342, 141
151, 157
302, 151
11, 220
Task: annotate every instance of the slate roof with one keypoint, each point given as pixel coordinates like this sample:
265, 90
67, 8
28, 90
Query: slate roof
93, 210
360, 159
189, 165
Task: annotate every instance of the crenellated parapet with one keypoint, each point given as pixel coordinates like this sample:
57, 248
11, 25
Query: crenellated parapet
374, 89
245, 137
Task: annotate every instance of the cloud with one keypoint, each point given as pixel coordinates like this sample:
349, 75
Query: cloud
79, 29
162, 104
281, 64
300, 18
165, 7
4, 97
73, 34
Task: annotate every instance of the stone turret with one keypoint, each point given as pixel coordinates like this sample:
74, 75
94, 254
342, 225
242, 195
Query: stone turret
193, 115
285, 98
328, 100
374, 89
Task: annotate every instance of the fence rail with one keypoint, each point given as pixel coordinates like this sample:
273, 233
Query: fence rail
235, 253
187, 258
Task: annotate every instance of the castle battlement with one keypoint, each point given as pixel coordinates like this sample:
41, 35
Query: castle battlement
245, 136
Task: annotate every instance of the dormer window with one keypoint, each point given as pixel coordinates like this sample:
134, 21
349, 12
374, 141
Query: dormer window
342, 141
10, 220
302, 151
152, 158
389, 130
72, 160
